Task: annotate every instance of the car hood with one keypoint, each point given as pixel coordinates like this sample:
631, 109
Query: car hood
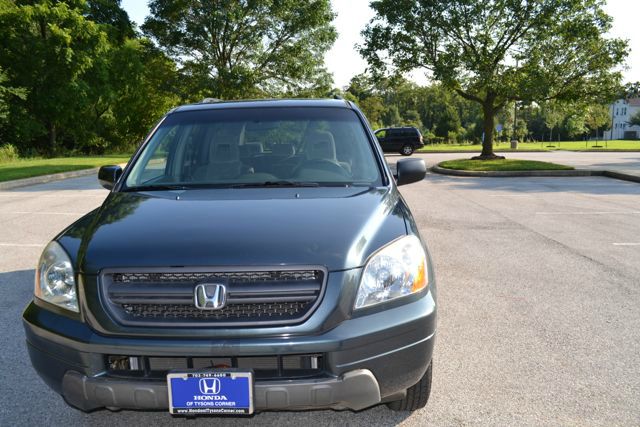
333, 227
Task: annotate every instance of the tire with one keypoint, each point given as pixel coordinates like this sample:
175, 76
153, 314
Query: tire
417, 395
407, 150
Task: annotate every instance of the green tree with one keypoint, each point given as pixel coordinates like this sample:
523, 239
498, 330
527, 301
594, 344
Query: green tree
597, 116
446, 120
439, 110
361, 86
553, 116
631, 90
373, 109
493, 52
635, 119
391, 116
233, 49
575, 125
143, 80
412, 118
113, 17
6, 93
521, 129
49, 49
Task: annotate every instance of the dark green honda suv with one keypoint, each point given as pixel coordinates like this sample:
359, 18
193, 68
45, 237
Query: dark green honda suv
251, 256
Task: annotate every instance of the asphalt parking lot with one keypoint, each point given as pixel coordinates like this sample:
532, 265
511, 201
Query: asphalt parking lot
539, 289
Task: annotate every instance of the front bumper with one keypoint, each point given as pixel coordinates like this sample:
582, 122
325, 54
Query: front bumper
369, 359
354, 390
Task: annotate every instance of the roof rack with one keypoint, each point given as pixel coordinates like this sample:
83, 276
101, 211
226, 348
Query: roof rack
210, 101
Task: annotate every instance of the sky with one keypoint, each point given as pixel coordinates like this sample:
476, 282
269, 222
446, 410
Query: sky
352, 15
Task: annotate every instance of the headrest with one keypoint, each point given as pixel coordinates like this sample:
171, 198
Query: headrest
254, 147
251, 149
223, 153
287, 150
320, 145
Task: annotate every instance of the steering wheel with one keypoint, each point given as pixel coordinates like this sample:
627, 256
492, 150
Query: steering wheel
324, 165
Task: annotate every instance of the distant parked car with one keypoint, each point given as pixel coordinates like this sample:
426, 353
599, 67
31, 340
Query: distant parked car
404, 140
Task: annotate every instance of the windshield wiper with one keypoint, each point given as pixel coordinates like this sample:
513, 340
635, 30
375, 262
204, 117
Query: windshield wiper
282, 183
158, 187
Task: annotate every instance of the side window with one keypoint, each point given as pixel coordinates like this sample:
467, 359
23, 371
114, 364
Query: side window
381, 133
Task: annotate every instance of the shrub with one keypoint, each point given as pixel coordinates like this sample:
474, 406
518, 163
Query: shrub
8, 153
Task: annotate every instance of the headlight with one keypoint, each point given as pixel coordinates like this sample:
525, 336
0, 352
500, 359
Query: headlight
396, 270
55, 281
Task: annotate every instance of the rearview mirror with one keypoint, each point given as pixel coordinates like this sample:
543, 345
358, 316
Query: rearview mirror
410, 170
109, 175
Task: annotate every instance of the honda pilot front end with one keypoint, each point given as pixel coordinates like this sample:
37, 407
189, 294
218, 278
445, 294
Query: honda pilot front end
252, 256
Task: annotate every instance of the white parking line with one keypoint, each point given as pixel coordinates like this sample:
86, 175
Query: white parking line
626, 244
511, 195
41, 213
33, 195
591, 213
23, 245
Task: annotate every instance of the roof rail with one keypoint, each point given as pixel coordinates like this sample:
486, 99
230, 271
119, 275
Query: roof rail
210, 101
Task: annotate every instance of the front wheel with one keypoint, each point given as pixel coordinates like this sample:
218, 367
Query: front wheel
407, 150
417, 395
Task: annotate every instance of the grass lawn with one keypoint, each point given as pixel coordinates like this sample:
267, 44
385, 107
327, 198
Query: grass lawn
540, 146
26, 168
501, 165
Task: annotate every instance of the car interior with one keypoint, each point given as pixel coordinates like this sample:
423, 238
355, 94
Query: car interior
247, 152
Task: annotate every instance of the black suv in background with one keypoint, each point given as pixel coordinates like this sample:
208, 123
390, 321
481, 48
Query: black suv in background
404, 140
252, 256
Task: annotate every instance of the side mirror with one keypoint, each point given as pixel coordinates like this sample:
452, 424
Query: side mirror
109, 175
410, 170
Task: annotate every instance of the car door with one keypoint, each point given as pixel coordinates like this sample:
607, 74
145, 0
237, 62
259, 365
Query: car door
394, 140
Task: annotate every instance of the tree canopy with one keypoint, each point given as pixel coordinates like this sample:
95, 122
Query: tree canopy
48, 49
234, 49
494, 52
76, 76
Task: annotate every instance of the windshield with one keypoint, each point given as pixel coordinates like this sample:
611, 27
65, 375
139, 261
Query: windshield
257, 147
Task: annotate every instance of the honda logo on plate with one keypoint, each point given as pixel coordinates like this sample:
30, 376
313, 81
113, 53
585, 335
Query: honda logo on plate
209, 385
208, 296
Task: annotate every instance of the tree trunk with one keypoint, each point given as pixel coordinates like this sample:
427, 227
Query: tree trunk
52, 138
489, 113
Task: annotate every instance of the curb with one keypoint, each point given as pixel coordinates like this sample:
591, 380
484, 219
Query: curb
478, 152
622, 176
543, 173
43, 179
575, 172
595, 150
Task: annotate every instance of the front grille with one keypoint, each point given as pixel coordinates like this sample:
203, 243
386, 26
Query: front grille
166, 297
244, 276
263, 367
230, 312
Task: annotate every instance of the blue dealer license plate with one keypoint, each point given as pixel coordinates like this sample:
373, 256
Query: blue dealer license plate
210, 392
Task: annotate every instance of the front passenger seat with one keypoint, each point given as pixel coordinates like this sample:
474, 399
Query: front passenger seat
224, 164
322, 146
